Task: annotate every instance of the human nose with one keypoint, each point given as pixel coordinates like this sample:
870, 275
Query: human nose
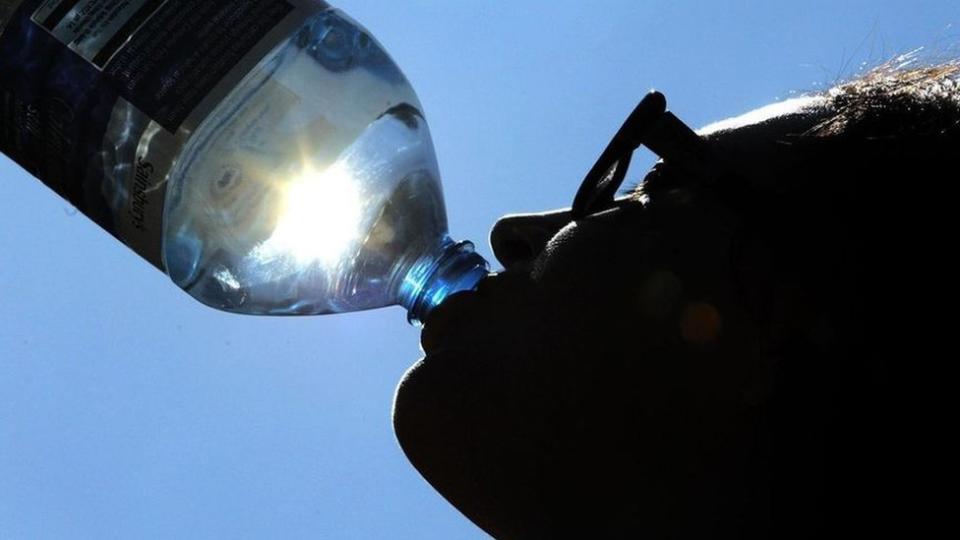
519, 238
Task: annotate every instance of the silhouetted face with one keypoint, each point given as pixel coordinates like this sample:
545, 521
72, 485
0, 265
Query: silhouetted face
609, 378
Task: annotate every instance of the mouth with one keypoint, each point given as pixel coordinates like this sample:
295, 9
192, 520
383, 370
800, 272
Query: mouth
451, 322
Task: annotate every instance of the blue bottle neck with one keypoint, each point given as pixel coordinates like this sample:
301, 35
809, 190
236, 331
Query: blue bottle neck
454, 267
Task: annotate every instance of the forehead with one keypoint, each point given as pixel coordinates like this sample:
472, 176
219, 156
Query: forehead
801, 106
768, 146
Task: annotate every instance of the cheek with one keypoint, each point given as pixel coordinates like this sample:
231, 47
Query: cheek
669, 291
554, 254
585, 259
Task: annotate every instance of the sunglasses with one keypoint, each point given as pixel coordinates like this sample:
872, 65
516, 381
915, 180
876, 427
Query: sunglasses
651, 125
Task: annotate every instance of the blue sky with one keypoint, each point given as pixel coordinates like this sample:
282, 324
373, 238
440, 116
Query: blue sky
128, 410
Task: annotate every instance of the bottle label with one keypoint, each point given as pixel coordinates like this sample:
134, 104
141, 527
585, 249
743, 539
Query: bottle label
74, 72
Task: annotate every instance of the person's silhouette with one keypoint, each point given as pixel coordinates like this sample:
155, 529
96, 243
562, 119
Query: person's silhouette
704, 358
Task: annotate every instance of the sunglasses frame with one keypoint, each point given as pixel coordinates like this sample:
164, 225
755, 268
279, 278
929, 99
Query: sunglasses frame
651, 125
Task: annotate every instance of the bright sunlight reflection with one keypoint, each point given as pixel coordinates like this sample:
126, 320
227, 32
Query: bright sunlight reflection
319, 219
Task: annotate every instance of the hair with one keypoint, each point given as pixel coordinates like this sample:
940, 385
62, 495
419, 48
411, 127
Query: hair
912, 110
896, 101
857, 236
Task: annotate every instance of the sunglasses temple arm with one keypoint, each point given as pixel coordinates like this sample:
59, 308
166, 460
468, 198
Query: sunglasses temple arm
675, 143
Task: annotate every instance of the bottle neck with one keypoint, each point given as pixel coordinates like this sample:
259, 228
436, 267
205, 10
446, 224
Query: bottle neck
453, 268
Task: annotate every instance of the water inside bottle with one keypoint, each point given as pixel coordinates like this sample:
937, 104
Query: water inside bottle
313, 188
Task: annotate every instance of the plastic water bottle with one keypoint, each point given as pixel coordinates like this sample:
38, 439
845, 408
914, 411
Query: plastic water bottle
267, 154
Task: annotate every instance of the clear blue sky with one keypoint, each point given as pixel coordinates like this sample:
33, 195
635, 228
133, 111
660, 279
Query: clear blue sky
128, 410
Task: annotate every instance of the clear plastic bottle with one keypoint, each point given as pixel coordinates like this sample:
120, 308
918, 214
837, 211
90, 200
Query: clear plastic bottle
311, 187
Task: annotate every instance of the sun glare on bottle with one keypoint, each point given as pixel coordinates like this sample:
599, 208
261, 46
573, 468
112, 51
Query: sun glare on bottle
319, 218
